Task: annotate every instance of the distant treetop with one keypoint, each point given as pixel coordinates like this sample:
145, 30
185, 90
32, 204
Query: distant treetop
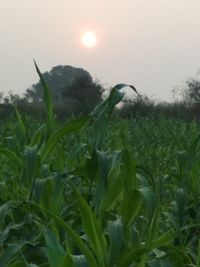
71, 87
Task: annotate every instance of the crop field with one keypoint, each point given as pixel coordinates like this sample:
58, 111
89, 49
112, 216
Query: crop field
99, 192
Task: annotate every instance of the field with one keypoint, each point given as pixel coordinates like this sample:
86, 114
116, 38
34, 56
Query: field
99, 192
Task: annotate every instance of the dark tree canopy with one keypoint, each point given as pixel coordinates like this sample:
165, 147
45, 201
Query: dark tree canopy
72, 89
191, 93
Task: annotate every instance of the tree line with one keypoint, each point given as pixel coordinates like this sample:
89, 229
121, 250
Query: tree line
74, 92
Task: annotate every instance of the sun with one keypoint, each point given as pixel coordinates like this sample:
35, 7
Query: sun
89, 39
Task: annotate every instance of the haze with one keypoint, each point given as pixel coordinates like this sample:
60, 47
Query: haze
154, 45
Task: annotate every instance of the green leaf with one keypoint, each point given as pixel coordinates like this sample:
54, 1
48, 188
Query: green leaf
178, 256
135, 256
79, 261
150, 200
116, 236
68, 262
122, 85
69, 127
35, 140
55, 252
92, 229
51, 197
163, 239
9, 254
130, 206
103, 111
47, 100
114, 193
129, 171
30, 169
6, 232
153, 228
5, 210
11, 156
20, 123
101, 184
69, 231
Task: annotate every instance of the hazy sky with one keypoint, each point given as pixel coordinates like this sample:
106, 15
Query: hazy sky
152, 44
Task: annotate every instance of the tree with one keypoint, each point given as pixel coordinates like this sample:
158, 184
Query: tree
191, 93
141, 105
73, 90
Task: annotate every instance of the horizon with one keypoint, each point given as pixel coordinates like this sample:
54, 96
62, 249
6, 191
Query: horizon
153, 46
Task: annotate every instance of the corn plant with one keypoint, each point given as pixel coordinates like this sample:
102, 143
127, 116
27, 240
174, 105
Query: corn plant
98, 193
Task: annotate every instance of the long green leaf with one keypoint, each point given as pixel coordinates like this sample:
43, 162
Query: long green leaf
103, 111
116, 236
129, 171
47, 100
20, 123
69, 231
92, 229
55, 252
72, 126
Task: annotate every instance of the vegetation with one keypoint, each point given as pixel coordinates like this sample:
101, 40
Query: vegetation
98, 192
73, 91
191, 94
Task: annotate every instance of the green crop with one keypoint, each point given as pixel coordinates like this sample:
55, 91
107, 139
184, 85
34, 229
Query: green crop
99, 192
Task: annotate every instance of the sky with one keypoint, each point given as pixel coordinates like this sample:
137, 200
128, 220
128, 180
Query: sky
151, 44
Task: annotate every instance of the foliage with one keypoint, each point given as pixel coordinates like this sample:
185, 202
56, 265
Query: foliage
141, 105
99, 193
191, 93
71, 88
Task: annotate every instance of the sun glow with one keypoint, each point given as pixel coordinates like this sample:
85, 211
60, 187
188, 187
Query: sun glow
89, 39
